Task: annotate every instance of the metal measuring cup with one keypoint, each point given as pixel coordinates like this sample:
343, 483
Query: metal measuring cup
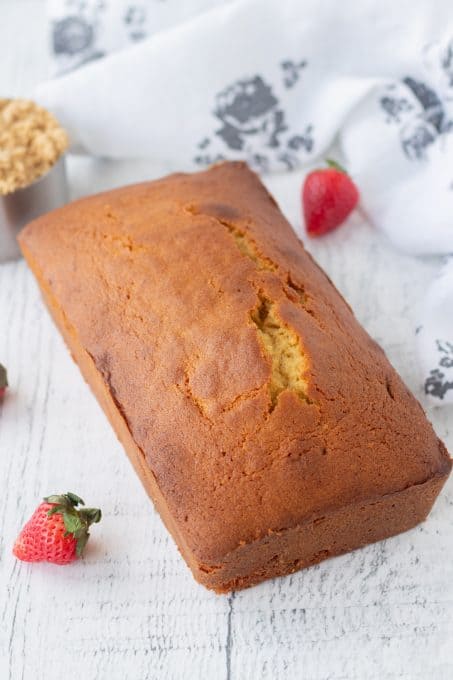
23, 205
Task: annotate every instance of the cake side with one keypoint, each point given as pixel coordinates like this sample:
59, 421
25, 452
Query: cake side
338, 532
255, 401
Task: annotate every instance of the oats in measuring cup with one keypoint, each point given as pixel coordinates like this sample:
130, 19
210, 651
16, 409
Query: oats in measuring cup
31, 142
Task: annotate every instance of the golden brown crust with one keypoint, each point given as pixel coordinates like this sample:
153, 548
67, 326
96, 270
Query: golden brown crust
250, 397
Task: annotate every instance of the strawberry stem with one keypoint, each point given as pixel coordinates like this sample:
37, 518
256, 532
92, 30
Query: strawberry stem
335, 165
3, 377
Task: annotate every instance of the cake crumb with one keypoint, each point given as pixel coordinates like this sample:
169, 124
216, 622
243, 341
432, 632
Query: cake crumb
31, 142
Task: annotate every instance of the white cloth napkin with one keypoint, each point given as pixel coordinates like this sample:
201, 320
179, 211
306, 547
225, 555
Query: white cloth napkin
275, 83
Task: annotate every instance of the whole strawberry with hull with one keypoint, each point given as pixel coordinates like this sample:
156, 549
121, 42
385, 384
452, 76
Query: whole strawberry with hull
329, 195
57, 531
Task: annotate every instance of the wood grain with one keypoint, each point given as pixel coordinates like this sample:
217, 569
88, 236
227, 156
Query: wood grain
130, 609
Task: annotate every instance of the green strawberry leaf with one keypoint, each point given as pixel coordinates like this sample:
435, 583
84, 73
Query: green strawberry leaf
91, 515
57, 499
81, 543
73, 523
3, 377
336, 165
74, 499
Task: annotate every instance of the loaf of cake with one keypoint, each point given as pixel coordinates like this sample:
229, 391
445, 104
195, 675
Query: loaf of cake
269, 429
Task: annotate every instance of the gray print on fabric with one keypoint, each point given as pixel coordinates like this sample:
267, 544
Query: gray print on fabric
253, 121
74, 36
135, 20
447, 63
291, 72
440, 379
420, 110
82, 30
421, 121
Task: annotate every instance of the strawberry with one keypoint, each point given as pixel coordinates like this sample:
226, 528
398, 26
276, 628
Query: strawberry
3, 381
57, 531
328, 197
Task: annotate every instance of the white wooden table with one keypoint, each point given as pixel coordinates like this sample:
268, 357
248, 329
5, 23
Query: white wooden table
130, 609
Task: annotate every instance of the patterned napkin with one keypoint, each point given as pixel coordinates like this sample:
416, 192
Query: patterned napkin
85, 30
435, 337
275, 83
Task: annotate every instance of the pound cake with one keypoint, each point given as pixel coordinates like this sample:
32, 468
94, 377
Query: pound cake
269, 429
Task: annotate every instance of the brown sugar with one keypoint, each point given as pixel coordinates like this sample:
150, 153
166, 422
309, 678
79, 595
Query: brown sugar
31, 142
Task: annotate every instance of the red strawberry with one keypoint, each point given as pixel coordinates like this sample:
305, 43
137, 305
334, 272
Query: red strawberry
57, 531
3, 381
328, 197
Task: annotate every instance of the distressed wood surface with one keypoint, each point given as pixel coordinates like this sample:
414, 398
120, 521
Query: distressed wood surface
130, 609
